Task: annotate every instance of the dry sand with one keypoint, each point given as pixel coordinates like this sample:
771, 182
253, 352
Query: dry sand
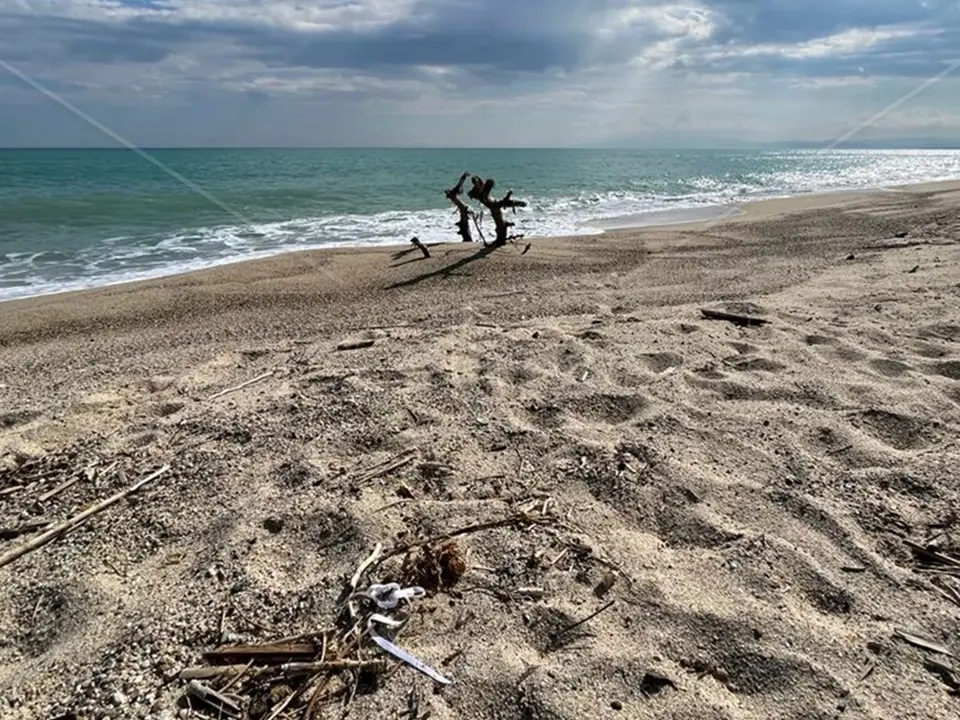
754, 486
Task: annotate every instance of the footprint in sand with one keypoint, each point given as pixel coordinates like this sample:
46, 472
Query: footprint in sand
166, 409
745, 348
889, 368
901, 432
611, 409
753, 364
661, 362
834, 349
17, 417
949, 369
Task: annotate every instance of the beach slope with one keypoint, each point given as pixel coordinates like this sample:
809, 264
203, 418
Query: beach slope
749, 490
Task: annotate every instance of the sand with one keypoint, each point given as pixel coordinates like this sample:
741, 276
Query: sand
753, 486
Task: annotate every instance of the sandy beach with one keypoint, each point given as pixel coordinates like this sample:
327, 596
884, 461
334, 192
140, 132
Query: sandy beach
746, 497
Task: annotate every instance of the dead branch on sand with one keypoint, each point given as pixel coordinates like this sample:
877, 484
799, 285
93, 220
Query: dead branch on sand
480, 191
69, 524
741, 320
465, 213
242, 385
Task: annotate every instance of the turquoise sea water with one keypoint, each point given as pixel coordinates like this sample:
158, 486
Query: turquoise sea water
80, 218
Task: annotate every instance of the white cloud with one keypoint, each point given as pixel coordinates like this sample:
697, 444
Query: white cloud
826, 83
847, 42
692, 21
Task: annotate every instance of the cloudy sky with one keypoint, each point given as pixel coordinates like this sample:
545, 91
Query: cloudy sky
474, 72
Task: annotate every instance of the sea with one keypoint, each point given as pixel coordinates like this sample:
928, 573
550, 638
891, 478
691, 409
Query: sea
73, 219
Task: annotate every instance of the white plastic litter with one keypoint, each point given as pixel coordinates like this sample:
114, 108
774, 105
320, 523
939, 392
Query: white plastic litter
398, 652
386, 597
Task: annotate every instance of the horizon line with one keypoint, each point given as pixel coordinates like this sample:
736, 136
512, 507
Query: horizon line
891, 144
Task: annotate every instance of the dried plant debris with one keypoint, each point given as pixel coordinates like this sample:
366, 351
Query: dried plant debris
296, 677
434, 568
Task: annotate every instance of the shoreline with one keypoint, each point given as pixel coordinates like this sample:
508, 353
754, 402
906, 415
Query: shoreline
683, 217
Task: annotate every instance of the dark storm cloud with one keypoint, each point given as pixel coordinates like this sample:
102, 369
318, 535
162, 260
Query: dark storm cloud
528, 36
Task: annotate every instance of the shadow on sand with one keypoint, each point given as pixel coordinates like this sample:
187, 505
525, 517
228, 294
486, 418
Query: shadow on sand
445, 271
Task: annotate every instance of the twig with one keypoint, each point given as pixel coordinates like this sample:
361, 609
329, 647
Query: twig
242, 385
840, 451
54, 532
57, 490
223, 621
932, 554
451, 657
387, 467
353, 693
396, 503
237, 677
557, 635
519, 519
526, 674
116, 571
219, 702
287, 669
361, 569
283, 704
922, 642
946, 590
268, 653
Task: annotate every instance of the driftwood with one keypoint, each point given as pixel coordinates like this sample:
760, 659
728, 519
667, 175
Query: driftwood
481, 193
355, 345
741, 320
415, 241
266, 652
242, 385
922, 642
466, 214
53, 533
207, 672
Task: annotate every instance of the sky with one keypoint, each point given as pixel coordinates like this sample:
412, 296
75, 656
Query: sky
503, 73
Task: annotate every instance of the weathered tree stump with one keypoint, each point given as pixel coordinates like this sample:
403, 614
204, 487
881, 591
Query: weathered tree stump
481, 193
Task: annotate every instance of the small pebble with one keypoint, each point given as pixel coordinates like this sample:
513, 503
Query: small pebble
616, 705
